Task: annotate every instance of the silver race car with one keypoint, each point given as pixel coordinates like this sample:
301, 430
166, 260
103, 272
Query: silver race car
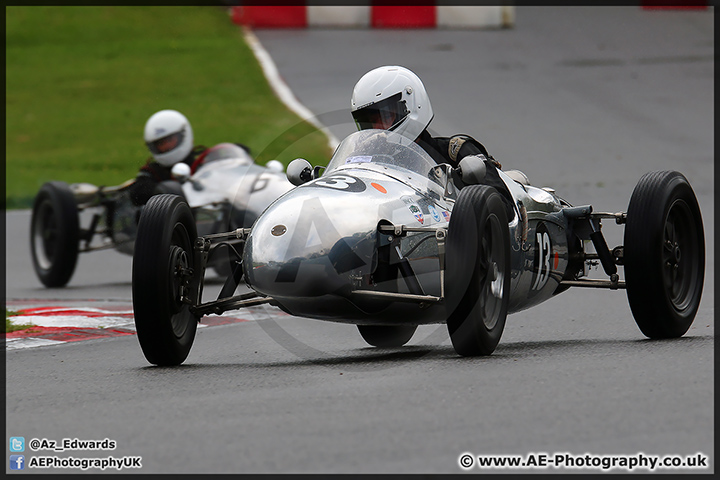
386, 240
228, 190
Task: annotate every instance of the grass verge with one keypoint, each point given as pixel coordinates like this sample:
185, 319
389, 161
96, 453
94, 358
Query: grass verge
82, 81
10, 326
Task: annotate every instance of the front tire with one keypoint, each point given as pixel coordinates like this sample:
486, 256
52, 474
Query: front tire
664, 254
387, 336
162, 271
54, 234
477, 274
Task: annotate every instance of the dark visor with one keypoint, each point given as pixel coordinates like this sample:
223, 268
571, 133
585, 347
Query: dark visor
167, 143
385, 114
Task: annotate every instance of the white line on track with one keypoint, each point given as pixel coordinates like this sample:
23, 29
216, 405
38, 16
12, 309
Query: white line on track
28, 342
285, 94
281, 88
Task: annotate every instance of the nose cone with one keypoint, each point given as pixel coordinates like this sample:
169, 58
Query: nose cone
307, 245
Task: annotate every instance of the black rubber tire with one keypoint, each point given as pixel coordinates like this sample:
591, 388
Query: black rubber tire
54, 234
172, 187
387, 336
664, 254
477, 273
166, 234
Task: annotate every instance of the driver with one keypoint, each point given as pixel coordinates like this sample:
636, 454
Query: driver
394, 98
169, 137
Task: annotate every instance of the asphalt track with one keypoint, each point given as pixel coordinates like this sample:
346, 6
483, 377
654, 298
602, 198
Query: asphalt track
585, 100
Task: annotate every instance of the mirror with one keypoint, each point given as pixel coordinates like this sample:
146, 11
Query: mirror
299, 171
180, 172
472, 169
275, 166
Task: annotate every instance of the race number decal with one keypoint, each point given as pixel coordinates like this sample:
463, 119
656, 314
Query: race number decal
543, 257
260, 182
345, 183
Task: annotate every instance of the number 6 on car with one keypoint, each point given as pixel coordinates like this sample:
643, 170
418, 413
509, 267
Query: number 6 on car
228, 190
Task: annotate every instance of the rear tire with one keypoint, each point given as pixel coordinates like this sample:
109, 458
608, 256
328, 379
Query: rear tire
387, 336
54, 234
477, 274
664, 254
170, 187
161, 269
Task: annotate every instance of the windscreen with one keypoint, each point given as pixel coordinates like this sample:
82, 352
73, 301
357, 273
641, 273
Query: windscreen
380, 147
223, 151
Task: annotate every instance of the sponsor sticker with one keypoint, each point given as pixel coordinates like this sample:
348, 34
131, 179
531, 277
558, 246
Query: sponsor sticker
415, 210
434, 213
359, 159
378, 187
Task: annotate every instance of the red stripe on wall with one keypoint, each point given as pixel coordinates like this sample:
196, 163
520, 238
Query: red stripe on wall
274, 16
396, 16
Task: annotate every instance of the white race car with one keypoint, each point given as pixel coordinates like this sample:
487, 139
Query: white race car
228, 190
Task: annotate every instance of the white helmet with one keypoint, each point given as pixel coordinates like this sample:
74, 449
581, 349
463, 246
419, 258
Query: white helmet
391, 98
169, 137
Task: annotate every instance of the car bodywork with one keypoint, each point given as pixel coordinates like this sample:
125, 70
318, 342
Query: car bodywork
387, 239
227, 190
315, 251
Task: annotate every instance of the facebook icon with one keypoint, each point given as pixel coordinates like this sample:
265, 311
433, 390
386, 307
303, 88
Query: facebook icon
17, 462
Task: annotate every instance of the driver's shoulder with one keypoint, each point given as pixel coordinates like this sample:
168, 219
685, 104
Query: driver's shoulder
460, 145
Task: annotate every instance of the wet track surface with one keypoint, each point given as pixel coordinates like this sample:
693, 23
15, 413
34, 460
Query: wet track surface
583, 100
